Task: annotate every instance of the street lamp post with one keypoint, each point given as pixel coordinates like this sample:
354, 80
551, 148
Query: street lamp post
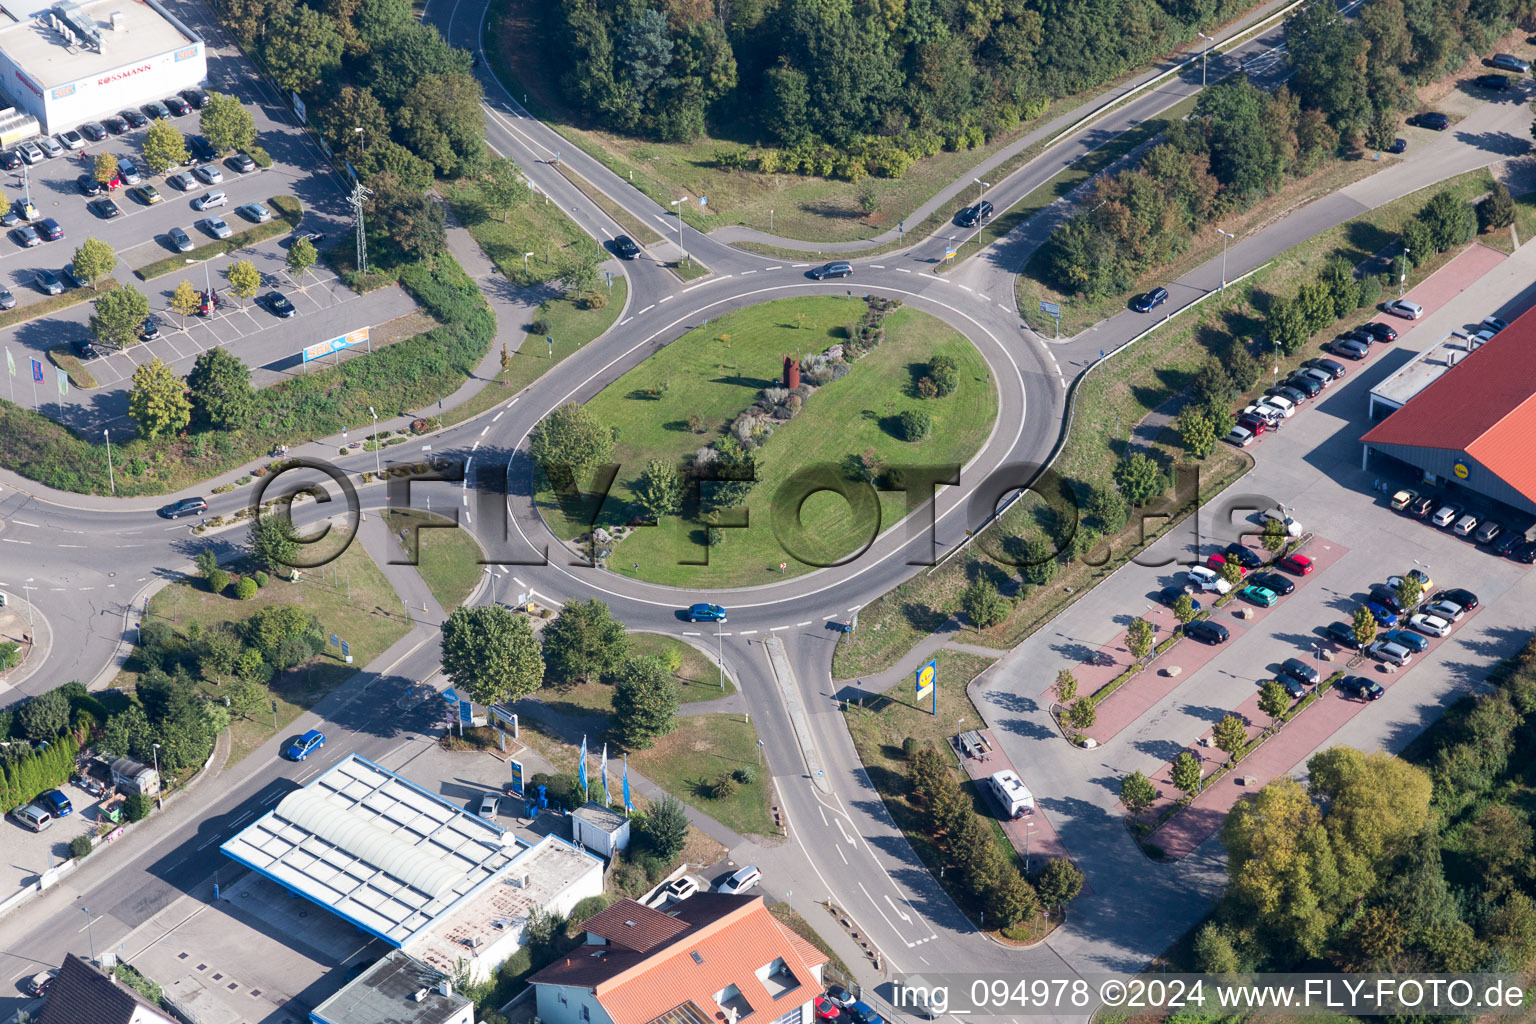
1209, 42
720, 654
1226, 236
111, 477
525, 261
1403, 277
26, 587
377, 468
158, 787
89, 931
982, 186
680, 245
207, 276
492, 574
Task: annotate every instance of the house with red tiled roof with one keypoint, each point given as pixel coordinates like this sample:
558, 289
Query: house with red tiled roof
1463, 415
710, 959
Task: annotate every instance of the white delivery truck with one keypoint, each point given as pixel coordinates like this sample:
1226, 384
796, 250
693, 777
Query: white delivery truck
1011, 793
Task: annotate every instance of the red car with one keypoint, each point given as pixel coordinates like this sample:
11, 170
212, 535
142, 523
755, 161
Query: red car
826, 1009
1298, 564
210, 302
1257, 424
1217, 561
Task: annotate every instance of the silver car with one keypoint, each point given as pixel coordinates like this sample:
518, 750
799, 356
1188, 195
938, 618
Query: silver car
30, 153
208, 174
183, 181
50, 146
216, 227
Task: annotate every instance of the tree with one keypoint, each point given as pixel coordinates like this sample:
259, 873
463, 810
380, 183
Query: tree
645, 702
1186, 772
1214, 951
157, 403
163, 147
185, 301
504, 187
1229, 735
1038, 565
659, 491
1274, 536
1059, 883
118, 316
378, 21
388, 161
1410, 591
1232, 571
914, 424
301, 256
410, 219
1281, 868
1498, 209
1106, 510
301, 47
1512, 928
1364, 626
1273, 700
273, 541
1083, 714
1065, 687
217, 652
585, 642
1139, 479
244, 279
1137, 792
128, 734
340, 119
568, 442
1450, 220
105, 167
1184, 609
440, 120
94, 260
1011, 900
927, 773
945, 374
665, 827
982, 604
1138, 638
226, 123
45, 716
409, 56
1197, 430
491, 654
220, 386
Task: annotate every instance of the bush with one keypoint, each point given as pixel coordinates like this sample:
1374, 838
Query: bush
218, 579
723, 786
915, 424
261, 156
909, 747
926, 388
594, 300
138, 806
260, 577
538, 327
245, 589
746, 774
1370, 291
79, 847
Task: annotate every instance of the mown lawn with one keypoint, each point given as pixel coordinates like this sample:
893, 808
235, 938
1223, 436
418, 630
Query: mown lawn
537, 226
448, 559
701, 748
717, 372
697, 679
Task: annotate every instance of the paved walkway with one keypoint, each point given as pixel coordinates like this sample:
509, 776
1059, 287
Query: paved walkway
385, 550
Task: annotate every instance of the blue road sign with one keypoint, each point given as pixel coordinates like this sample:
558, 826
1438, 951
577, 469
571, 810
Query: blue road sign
335, 641
466, 711
451, 696
1050, 309
346, 652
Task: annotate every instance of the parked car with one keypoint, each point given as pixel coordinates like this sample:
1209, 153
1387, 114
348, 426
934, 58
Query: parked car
706, 613
825, 1009
278, 303
1458, 596
1380, 331
1240, 437
1433, 120
50, 229
1360, 687
625, 248
1392, 654
305, 745
1401, 499
26, 236
974, 215
1420, 507
1386, 596
1272, 581
48, 282
1508, 541
106, 209
201, 150
1279, 515
1296, 396
94, 130
1245, 556
1383, 615
195, 97
116, 124
146, 194
157, 111
1494, 324
1217, 561
1169, 596
1399, 145
128, 171
839, 995
1306, 383
1298, 669
1254, 424
254, 212
31, 153
1150, 301
210, 200
10, 160
182, 181
1496, 83
7, 300
1298, 564
682, 888
208, 174
184, 507
1446, 610
216, 227
1431, 625
84, 349
88, 185
1206, 579
50, 146
1285, 405
41, 982
1261, 596
1323, 377
1509, 62
71, 139
177, 106
134, 118
862, 1013
32, 817
743, 880
1525, 553
1465, 525
242, 162
1445, 515
1293, 687
488, 806
180, 240
1407, 638
150, 331
1404, 308
1342, 633
1207, 632
837, 268
1328, 366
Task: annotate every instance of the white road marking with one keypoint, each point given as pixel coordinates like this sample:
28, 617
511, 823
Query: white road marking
625, 321
846, 837
497, 416
799, 264
828, 618
475, 446
646, 310
484, 429
966, 287
779, 266
807, 622
903, 270
746, 632
878, 266
23, 522
667, 298
518, 582
775, 629
686, 633
744, 273
12, 540
841, 854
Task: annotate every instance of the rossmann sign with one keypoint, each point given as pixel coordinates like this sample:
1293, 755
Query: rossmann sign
28, 83
118, 76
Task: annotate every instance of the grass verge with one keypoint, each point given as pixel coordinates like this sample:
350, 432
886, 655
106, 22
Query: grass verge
701, 748
697, 679
288, 210
65, 360
538, 227
446, 557
54, 303
689, 269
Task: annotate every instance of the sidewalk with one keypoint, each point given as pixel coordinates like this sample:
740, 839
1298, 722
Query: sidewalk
390, 557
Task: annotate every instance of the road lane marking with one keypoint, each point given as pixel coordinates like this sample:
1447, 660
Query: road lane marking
807, 622
878, 266
667, 298
744, 273
746, 632
685, 633
775, 629
799, 264
646, 310
779, 266
903, 270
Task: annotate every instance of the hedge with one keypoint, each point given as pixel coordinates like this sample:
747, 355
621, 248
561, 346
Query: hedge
31, 775
65, 360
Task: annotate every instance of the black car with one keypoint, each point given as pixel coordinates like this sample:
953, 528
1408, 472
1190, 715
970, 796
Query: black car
625, 248
1296, 395
1246, 557
134, 118
278, 303
1207, 632
1505, 543
10, 159
177, 106
150, 331
200, 149
1169, 596
1498, 83
50, 229
106, 209
1420, 507
1329, 366
184, 507
1525, 553
1343, 634
1398, 146
1458, 595
115, 124
1150, 301
1300, 670
1311, 386
1383, 594
88, 185
94, 131
156, 111
1281, 585
195, 98
84, 349
1360, 687
1434, 121
837, 268
1380, 331
973, 215
1293, 687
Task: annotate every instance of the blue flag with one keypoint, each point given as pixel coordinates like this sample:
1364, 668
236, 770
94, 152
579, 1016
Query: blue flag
581, 767
602, 770
629, 805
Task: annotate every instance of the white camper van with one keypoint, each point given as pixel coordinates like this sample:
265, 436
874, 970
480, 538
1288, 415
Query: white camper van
1011, 793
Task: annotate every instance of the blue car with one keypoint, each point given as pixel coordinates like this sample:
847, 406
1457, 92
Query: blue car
1381, 613
1413, 641
863, 1013
706, 613
56, 803
305, 745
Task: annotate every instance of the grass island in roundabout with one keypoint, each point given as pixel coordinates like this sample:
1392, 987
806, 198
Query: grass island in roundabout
864, 370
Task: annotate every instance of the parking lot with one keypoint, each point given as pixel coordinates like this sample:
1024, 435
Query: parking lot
28, 854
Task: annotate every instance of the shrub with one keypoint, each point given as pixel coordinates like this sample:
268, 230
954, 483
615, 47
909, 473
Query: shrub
746, 774
218, 579
1370, 291
909, 747
594, 300
261, 156
138, 806
260, 577
915, 424
538, 327
420, 425
723, 785
246, 588
945, 374
79, 847
926, 388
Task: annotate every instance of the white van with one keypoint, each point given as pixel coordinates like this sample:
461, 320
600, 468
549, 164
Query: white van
32, 817
1011, 793
1278, 515
741, 881
209, 200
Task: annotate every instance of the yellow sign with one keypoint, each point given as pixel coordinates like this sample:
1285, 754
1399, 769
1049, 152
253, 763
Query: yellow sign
1460, 469
925, 678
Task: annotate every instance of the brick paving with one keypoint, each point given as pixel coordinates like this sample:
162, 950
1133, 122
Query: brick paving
1033, 835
